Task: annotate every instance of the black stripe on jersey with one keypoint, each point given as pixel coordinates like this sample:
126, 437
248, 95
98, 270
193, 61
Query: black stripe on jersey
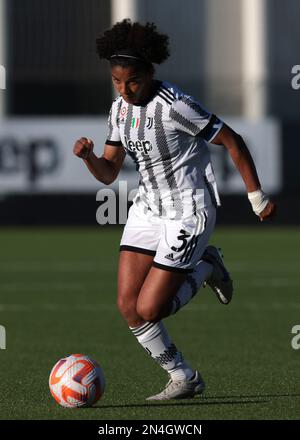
168, 92
207, 130
171, 268
125, 247
128, 121
127, 134
141, 135
192, 250
194, 206
193, 128
186, 250
196, 107
110, 125
163, 148
147, 160
211, 192
205, 221
167, 100
133, 157
143, 118
118, 112
189, 250
165, 93
114, 143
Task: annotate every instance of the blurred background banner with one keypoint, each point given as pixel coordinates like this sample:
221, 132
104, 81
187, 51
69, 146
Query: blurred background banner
36, 156
236, 57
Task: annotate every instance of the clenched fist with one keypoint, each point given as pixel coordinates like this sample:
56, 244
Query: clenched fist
269, 212
83, 148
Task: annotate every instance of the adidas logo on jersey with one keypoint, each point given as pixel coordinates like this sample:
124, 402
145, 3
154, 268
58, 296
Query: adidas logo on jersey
169, 257
143, 145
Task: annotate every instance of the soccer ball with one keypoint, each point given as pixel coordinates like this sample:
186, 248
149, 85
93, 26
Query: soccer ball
76, 381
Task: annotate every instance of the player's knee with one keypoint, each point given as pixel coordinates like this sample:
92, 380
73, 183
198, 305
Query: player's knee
126, 307
148, 312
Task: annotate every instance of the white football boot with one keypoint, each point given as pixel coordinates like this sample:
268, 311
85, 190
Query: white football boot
181, 389
220, 280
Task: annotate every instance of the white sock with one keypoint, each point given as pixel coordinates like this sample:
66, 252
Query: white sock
189, 288
154, 338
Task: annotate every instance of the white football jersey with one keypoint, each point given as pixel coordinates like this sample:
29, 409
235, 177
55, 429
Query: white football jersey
166, 138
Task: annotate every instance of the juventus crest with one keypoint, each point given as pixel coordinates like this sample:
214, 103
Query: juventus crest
149, 122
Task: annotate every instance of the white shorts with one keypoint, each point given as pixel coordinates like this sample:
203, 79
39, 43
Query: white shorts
177, 245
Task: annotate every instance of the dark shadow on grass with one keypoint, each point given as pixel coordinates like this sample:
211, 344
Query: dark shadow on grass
204, 401
256, 396
179, 403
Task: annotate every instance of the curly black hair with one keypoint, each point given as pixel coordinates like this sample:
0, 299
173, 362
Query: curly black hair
140, 41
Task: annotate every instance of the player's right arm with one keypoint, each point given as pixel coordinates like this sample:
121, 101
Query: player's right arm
189, 116
105, 168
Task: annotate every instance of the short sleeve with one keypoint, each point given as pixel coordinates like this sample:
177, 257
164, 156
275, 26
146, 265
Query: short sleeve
113, 137
189, 116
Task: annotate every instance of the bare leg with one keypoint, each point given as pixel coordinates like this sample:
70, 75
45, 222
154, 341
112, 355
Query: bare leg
157, 293
143, 295
133, 270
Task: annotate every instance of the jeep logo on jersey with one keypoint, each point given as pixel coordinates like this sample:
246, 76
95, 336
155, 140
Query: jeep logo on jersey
143, 145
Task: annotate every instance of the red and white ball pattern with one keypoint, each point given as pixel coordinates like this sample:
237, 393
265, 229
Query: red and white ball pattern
76, 381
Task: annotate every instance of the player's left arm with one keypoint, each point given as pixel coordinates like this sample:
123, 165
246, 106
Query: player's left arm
262, 205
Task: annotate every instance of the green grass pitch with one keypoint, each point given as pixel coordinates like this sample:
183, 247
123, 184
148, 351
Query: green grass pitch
58, 296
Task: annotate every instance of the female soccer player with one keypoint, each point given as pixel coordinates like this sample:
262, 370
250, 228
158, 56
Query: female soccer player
164, 252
